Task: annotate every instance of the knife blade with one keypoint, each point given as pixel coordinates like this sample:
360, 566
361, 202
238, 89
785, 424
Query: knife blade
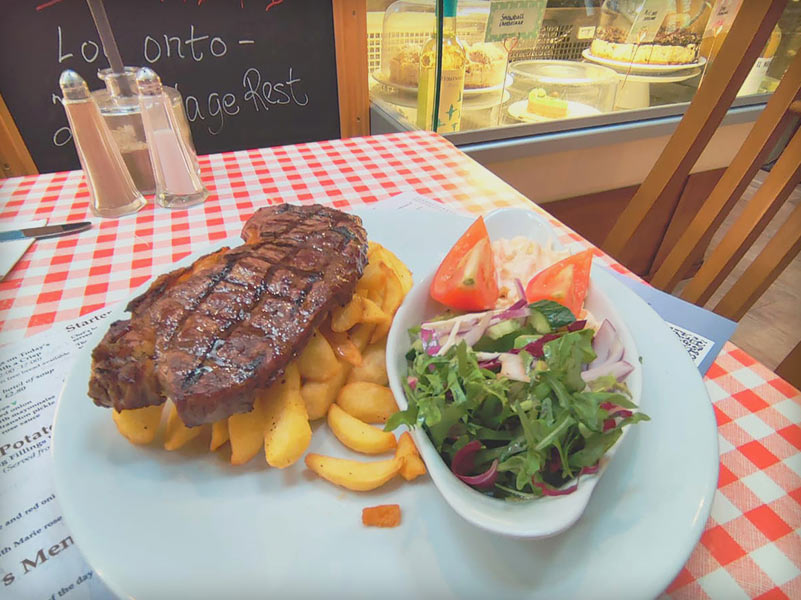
46, 231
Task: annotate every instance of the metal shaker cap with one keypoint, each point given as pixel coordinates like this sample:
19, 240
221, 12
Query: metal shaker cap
148, 82
73, 86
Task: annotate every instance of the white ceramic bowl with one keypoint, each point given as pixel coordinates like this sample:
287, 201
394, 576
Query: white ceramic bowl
538, 518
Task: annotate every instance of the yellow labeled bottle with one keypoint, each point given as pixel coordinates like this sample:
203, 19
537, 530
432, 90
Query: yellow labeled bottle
451, 90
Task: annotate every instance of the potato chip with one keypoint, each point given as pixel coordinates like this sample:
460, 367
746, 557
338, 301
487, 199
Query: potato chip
402, 272
246, 432
342, 345
319, 395
393, 294
177, 434
372, 279
139, 425
345, 317
353, 474
373, 313
317, 361
219, 434
373, 367
368, 402
413, 465
361, 334
286, 424
358, 435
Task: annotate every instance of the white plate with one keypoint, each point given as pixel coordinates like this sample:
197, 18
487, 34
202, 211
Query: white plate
412, 89
547, 516
174, 525
641, 67
519, 110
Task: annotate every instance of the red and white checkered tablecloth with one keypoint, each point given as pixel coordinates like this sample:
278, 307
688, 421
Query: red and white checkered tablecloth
752, 543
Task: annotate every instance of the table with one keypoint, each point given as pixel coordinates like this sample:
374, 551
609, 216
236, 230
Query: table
751, 546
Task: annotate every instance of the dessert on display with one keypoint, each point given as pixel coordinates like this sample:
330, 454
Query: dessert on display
486, 65
541, 90
543, 105
654, 32
404, 66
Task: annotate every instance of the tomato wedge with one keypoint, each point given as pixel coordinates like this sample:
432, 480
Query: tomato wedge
466, 279
565, 282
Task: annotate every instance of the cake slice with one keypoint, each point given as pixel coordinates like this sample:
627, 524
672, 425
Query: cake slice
543, 105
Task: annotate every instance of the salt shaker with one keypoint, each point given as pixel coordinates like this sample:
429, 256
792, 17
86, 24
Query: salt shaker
178, 184
111, 189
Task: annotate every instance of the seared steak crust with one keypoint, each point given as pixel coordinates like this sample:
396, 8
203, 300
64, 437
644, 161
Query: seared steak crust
206, 335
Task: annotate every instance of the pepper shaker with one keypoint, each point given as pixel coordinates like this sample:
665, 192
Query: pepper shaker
178, 184
111, 189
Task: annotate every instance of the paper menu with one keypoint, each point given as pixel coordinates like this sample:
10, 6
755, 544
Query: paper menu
38, 557
412, 201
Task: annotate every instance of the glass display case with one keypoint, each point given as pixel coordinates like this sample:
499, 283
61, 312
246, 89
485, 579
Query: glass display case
655, 52
596, 89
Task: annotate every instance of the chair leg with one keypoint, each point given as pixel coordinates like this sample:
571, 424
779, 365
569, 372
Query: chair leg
790, 367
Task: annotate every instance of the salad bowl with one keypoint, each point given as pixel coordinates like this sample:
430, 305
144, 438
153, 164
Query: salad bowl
538, 518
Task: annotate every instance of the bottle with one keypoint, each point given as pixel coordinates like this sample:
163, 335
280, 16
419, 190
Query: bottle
759, 71
717, 29
178, 184
111, 189
454, 60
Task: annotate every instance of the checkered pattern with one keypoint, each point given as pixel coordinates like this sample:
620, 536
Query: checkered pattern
752, 544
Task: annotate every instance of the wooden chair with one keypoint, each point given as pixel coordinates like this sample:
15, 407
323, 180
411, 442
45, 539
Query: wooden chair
723, 78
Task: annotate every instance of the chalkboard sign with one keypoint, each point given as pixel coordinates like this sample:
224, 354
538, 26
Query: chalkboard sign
253, 73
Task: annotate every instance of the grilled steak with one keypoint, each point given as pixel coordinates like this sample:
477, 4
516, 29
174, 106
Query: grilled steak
207, 335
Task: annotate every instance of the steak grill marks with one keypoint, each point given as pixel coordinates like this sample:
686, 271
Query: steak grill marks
233, 321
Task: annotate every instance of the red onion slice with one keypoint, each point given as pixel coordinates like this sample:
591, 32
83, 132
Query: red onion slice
536, 348
619, 369
432, 349
577, 325
463, 462
547, 490
551, 491
485, 480
602, 343
475, 333
521, 290
621, 414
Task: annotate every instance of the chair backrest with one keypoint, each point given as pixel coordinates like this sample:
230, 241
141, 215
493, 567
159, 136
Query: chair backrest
724, 77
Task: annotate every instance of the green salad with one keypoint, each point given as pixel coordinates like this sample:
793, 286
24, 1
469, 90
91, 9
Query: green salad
519, 402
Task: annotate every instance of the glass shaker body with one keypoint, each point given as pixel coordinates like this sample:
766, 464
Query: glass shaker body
119, 105
178, 183
111, 188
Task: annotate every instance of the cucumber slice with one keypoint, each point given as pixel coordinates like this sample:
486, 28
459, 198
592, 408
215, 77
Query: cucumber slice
538, 321
501, 329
